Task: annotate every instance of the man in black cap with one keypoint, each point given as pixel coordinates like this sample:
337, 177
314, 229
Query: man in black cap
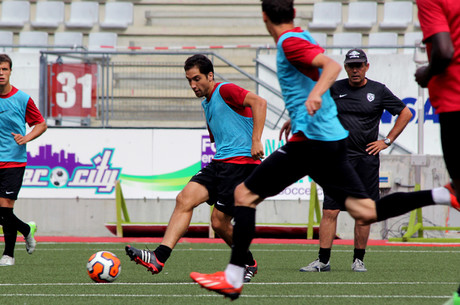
360, 104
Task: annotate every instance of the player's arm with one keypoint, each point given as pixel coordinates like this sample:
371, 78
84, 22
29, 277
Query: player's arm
33, 118
37, 131
331, 70
259, 110
401, 122
442, 51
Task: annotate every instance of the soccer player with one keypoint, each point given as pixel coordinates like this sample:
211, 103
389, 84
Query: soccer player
16, 109
235, 118
360, 104
317, 148
440, 25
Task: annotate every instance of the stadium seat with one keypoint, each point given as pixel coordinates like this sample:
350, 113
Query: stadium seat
383, 40
15, 14
396, 15
118, 15
412, 39
49, 14
320, 38
104, 42
32, 38
6, 38
83, 15
326, 15
347, 41
68, 39
361, 15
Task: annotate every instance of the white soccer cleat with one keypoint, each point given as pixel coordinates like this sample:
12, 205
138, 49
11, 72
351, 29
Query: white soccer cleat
30, 240
6, 260
358, 266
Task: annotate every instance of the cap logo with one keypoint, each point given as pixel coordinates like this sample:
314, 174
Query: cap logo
353, 54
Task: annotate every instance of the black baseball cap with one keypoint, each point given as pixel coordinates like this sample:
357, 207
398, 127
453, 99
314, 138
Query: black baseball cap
355, 55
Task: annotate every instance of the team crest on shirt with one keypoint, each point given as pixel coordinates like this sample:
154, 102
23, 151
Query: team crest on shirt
370, 97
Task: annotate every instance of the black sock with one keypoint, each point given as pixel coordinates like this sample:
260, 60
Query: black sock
243, 233
359, 254
399, 203
324, 255
162, 253
250, 259
10, 230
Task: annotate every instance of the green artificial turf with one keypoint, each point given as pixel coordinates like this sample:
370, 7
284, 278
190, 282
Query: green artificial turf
56, 274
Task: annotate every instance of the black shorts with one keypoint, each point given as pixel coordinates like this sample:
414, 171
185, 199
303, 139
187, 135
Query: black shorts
221, 179
367, 168
11, 182
450, 126
325, 162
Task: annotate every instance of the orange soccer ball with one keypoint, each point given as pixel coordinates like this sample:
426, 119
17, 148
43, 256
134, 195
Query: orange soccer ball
103, 267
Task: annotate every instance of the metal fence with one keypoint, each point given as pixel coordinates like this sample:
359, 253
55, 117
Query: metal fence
145, 89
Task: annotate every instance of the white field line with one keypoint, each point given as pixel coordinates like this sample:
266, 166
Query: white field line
258, 284
368, 250
219, 296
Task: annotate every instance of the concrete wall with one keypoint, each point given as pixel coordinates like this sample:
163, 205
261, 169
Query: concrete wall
85, 217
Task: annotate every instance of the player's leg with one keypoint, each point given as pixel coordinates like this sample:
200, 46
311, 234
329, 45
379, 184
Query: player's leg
190, 197
280, 169
229, 176
367, 168
327, 231
450, 124
222, 224
10, 185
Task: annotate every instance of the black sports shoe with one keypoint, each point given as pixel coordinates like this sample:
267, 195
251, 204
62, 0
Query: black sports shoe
145, 258
249, 272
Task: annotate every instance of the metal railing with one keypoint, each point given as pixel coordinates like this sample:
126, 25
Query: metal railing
141, 89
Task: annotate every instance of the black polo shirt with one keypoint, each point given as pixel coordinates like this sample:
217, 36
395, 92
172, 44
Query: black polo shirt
360, 110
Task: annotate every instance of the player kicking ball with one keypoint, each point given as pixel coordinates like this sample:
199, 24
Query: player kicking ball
235, 118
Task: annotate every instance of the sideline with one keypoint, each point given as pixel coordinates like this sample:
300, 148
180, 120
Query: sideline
346, 242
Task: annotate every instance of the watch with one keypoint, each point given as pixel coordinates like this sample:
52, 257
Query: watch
387, 141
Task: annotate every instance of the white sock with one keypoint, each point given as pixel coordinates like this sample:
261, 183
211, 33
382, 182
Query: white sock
441, 195
234, 275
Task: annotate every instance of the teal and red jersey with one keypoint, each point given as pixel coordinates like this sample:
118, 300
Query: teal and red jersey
16, 109
230, 124
297, 77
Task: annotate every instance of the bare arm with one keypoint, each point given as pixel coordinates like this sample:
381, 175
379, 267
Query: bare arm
259, 110
441, 55
331, 70
33, 134
401, 123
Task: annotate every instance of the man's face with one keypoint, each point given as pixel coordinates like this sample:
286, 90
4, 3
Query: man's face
200, 83
357, 73
5, 72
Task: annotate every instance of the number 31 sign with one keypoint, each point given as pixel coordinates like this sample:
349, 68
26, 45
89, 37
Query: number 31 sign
72, 90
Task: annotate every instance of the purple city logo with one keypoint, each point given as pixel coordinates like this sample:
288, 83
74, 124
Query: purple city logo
208, 150
56, 170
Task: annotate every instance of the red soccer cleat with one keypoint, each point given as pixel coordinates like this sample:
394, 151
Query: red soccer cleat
217, 282
453, 196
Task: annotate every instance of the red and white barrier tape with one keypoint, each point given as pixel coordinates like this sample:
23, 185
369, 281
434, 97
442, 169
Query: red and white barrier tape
237, 46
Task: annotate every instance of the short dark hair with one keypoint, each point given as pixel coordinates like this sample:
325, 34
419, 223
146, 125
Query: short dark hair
279, 11
6, 58
201, 62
